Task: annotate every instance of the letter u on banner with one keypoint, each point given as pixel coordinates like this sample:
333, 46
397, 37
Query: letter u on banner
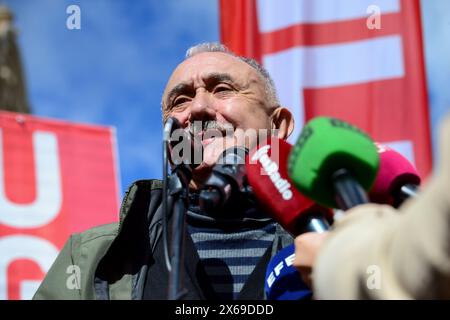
47, 203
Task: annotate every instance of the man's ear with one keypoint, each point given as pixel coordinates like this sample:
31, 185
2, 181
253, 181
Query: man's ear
282, 120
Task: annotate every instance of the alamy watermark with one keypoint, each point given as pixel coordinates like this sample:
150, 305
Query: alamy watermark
374, 20
188, 145
374, 277
73, 281
73, 21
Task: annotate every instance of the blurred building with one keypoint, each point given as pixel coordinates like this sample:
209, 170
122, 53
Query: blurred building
12, 81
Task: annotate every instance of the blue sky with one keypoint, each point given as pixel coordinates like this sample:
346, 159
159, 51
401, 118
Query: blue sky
112, 71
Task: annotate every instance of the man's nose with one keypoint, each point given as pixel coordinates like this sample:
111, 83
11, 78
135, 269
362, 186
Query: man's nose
202, 107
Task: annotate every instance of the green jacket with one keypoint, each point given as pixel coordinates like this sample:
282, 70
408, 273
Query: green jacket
111, 261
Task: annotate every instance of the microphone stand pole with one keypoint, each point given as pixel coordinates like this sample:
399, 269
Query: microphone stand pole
178, 183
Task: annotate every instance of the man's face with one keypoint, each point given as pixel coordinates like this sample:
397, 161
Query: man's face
215, 86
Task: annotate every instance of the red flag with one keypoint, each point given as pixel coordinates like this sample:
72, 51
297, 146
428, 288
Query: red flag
357, 60
56, 178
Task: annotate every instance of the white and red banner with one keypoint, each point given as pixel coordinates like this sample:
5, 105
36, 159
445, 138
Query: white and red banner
56, 178
357, 60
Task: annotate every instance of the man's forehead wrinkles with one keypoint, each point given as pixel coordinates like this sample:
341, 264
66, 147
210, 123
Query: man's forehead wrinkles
210, 76
220, 76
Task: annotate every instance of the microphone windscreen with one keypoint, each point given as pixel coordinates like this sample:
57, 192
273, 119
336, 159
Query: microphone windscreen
395, 171
267, 175
283, 281
325, 146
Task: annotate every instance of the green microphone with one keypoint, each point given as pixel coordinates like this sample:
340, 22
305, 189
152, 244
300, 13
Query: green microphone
333, 163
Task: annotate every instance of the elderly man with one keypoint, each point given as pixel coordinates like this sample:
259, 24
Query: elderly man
226, 253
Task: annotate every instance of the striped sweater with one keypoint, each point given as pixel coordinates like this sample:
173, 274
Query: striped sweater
230, 252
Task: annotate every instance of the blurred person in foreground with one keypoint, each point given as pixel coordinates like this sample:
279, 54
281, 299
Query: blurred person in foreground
226, 253
377, 252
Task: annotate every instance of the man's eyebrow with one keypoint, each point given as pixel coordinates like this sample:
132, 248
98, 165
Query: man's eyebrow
179, 88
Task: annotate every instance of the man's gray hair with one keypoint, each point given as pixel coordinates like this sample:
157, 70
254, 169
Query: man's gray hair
219, 47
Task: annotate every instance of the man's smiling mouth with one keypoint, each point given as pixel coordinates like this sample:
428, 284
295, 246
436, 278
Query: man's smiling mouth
209, 135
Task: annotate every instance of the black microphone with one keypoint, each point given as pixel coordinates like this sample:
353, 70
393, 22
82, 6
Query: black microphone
170, 126
227, 179
183, 147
